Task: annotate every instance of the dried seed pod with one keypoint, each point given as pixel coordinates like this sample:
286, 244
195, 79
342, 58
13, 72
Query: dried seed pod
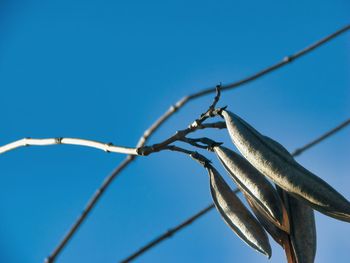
272, 160
253, 184
281, 237
287, 245
303, 229
302, 219
302, 238
276, 233
236, 215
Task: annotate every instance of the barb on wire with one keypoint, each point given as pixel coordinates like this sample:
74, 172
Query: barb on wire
155, 126
321, 138
91, 203
168, 233
204, 211
286, 60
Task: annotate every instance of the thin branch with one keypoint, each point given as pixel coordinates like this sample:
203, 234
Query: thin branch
155, 126
201, 159
202, 143
201, 213
181, 134
107, 147
215, 125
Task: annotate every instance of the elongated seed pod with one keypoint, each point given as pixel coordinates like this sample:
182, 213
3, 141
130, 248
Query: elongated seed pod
303, 236
271, 159
303, 228
301, 244
287, 245
300, 247
253, 184
281, 237
276, 233
236, 215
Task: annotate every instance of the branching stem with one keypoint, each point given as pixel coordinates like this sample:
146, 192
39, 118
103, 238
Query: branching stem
210, 207
174, 108
107, 147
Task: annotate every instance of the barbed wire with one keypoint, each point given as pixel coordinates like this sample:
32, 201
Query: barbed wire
160, 121
172, 231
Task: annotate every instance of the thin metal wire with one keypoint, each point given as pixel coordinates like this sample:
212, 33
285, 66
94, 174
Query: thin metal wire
155, 126
172, 231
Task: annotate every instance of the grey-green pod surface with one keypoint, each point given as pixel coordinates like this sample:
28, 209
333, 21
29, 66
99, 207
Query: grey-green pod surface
272, 161
302, 238
302, 229
302, 242
281, 237
276, 233
236, 215
252, 183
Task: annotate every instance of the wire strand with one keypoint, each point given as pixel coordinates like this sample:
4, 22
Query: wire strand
196, 216
161, 120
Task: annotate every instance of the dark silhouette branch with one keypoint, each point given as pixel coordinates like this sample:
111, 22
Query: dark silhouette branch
208, 208
155, 126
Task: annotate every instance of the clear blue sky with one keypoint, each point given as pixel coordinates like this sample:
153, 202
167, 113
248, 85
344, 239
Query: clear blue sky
106, 70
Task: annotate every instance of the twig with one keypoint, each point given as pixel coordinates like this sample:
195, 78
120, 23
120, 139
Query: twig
181, 134
201, 213
144, 150
202, 143
107, 147
155, 126
201, 159
178, 136
216, 125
